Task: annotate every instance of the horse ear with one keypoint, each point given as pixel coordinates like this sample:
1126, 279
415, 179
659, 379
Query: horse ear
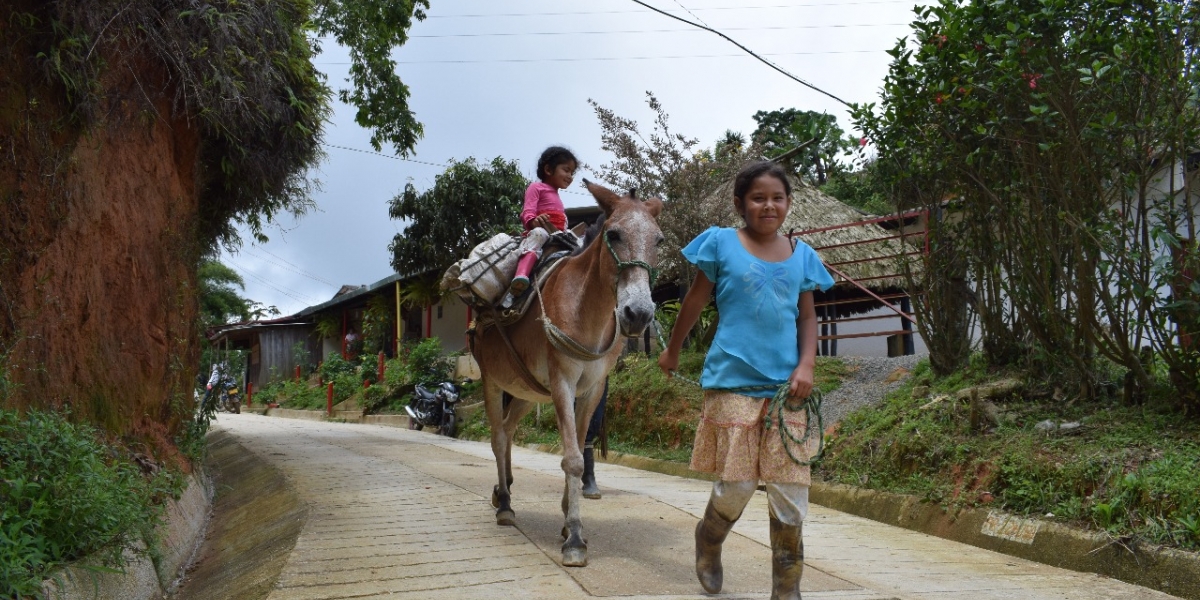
654, 205
605, 197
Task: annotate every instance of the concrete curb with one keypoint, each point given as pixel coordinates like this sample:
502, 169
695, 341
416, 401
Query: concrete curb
143, 578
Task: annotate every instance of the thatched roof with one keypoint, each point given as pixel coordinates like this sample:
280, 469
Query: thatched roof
813, 209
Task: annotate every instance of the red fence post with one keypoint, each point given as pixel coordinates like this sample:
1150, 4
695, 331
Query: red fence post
382, 368
297, 373
329, 399
249, 393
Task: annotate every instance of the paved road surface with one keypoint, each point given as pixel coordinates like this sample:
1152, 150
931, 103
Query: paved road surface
404, 515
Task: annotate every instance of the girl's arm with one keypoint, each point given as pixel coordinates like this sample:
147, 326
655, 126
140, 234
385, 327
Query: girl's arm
529, 209
800, 384
693, 303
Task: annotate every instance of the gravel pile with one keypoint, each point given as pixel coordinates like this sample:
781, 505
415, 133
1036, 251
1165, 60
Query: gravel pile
867, 384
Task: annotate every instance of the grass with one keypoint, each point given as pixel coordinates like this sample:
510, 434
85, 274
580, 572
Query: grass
1127, 470
65, 493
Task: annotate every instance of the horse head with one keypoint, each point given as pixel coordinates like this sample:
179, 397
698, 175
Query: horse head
631, 236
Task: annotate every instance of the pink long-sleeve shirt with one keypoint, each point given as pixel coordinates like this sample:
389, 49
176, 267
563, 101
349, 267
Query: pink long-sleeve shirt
541, 198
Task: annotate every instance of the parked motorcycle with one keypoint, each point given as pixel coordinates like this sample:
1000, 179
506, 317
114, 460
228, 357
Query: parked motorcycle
434, 408
224, 396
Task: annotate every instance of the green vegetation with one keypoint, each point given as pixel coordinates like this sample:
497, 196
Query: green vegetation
1046, 139
467, 204
419, 363
66, 494
647, 414
1129, 471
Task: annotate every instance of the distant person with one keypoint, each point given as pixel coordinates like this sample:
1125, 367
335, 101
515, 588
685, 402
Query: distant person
353, 344
767, 337
543, 212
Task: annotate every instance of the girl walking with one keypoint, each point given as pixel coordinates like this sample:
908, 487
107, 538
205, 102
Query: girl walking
766, 336
543, 212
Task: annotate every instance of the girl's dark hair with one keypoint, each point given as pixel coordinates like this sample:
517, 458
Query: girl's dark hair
551, 158
745, 177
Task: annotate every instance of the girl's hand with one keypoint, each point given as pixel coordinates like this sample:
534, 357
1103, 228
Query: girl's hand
800, 384
543, 221
669, 362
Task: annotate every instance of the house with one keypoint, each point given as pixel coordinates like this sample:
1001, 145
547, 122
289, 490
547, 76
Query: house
383, 315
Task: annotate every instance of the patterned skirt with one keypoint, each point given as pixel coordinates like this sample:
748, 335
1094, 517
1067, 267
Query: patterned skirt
733, 443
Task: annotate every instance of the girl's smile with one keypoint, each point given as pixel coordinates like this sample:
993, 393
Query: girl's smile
765, 205
562, 175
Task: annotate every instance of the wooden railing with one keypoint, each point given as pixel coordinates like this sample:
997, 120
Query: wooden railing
827, 310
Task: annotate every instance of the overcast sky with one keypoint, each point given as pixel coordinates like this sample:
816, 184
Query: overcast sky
509, 78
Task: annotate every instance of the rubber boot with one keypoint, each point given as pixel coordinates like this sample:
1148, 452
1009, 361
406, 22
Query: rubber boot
520, 281
711, 532
590, 489
787, 560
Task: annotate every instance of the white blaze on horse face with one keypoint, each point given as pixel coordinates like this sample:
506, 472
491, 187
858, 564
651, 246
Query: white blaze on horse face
639, 237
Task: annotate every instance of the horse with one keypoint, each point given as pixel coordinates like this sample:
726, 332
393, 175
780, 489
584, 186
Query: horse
562, 349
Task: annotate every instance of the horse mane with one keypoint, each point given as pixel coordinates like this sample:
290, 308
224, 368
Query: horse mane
590, 235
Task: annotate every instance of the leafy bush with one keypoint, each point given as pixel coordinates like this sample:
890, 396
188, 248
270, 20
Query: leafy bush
65, 495
425, 363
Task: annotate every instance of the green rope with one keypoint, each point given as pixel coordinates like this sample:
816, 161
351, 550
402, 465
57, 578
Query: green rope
625, 264
775, 411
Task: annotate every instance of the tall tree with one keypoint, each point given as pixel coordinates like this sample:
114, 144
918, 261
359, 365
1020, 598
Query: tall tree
467, 204
1057, 129
782, 130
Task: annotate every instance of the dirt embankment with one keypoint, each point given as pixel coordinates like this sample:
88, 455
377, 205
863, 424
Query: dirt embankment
97, 246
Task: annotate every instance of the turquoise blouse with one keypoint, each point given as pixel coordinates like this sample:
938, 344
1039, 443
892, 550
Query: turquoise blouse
758, 302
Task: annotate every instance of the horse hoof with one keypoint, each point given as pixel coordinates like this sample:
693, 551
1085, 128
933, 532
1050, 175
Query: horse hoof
506, 518
495, 499
574, 557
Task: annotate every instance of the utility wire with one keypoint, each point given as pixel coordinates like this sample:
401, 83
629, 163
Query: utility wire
410, 160
675, 30
747, 50
290, 293
598, 59
293, 269
625, 12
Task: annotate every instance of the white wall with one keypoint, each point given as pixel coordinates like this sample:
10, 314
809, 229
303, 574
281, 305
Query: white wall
451, 326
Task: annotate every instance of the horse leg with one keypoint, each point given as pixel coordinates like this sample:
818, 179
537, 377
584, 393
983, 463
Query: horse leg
515, 410
493, 404
575, 547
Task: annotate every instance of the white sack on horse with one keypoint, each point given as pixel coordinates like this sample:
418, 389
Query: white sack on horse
484, 276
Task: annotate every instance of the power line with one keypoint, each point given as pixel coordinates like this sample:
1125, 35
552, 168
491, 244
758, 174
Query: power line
748, 51
602, 59
419, 162
410, 160
290, 293
675, 30
625, 12
292, 269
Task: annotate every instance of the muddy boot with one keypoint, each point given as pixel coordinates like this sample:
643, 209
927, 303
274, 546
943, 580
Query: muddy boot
710, 534
590, 489
787, 560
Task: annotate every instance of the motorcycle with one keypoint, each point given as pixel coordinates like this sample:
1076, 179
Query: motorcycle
224, 396
434, 408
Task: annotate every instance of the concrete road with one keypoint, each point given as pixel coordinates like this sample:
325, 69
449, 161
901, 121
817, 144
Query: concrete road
401, 514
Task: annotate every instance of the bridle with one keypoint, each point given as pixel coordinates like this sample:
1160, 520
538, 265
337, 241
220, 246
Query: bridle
563, 342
